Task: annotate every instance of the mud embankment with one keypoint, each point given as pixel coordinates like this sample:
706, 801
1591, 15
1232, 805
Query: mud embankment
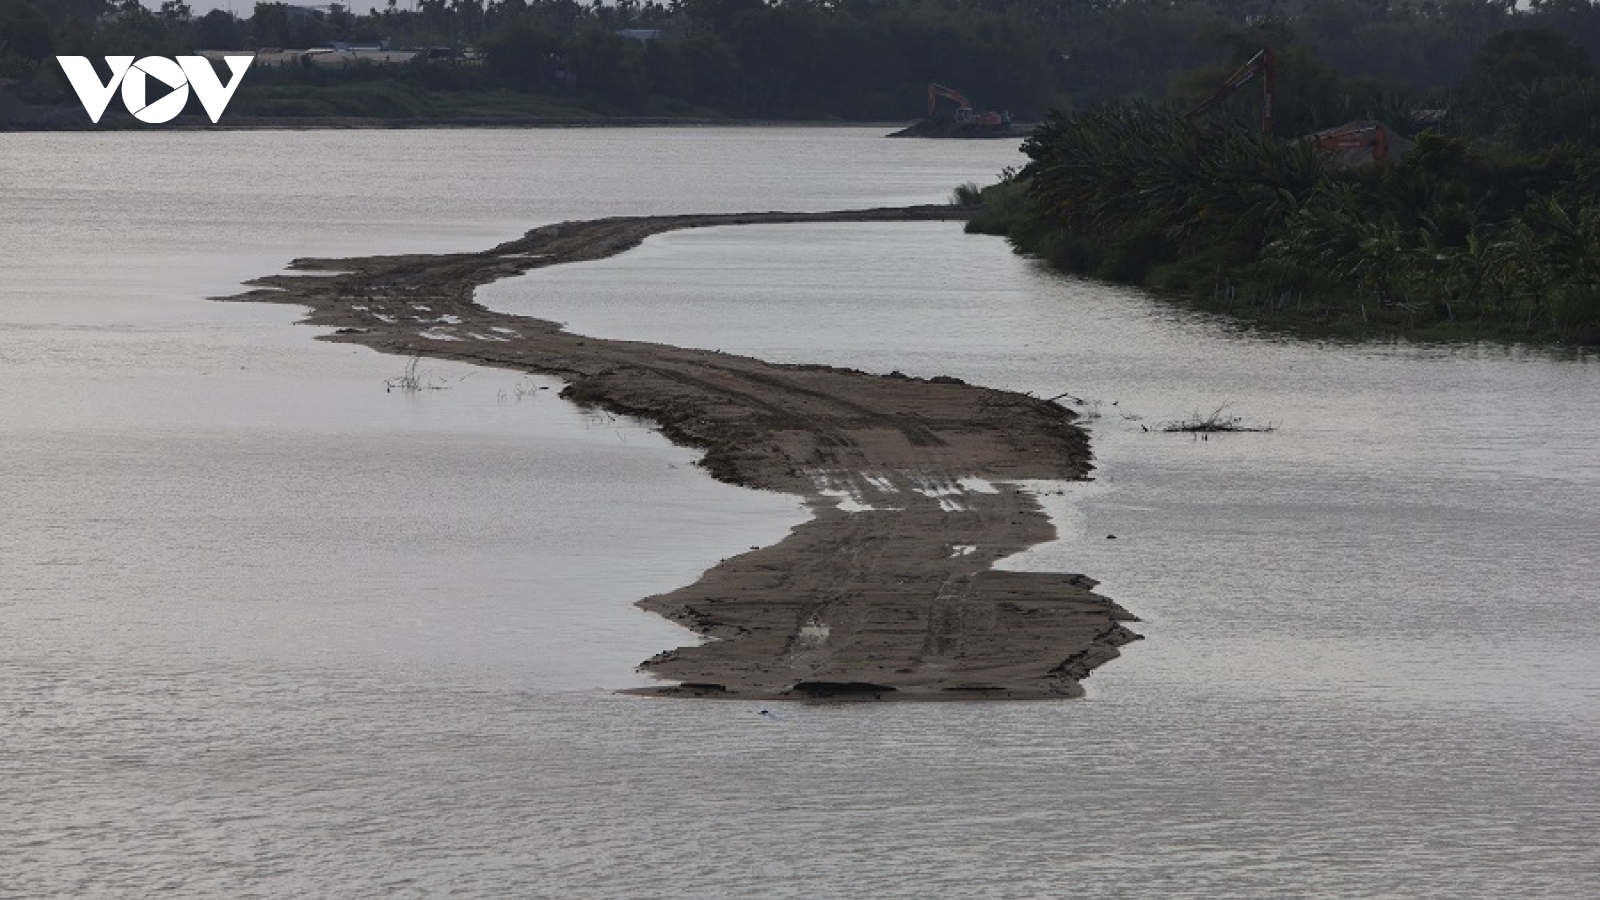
889, 592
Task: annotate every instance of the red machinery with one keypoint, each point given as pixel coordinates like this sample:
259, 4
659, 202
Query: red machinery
965, 115
1357, 136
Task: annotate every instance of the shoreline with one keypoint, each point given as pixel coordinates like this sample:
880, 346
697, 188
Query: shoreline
114, 122
889, 591
56, 119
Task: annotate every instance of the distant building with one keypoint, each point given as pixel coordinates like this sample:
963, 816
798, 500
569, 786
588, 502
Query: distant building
642, 35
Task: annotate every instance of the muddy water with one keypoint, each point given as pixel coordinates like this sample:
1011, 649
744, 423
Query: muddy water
267, 630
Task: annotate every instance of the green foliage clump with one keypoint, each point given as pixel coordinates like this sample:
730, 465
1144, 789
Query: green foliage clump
1123, 188
1450, 239
1525, 55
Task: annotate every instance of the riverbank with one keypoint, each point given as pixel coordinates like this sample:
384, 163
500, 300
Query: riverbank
1450, 239
63, 118
74, 120
889, 592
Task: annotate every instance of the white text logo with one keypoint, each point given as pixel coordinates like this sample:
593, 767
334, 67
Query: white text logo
180, 75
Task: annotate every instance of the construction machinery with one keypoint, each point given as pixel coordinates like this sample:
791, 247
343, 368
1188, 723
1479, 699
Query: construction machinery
1263, 65
965, 114
967, 123
1351, 145
1356, 136
1359, 143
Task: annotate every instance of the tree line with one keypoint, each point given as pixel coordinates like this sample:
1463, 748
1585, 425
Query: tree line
815, 59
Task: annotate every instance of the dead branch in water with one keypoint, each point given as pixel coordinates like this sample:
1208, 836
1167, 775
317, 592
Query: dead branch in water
1217, 421
411, 379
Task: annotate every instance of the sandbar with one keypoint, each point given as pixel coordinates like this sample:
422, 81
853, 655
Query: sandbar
915, 485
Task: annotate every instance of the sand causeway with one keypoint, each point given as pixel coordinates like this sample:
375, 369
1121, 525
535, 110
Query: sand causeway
915, 485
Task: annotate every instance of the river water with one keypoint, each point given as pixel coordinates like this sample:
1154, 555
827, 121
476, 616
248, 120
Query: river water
267, 630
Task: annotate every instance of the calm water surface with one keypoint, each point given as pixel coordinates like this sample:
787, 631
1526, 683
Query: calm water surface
269, 631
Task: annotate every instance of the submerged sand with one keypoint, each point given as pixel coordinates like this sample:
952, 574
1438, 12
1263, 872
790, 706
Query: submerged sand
889, 592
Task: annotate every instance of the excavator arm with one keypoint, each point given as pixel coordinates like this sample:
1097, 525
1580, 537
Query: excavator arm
935, 91
1263, 65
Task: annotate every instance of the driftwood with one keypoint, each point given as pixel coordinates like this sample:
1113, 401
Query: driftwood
1218, 421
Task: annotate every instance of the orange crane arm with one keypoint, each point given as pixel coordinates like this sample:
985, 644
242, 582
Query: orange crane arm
935, 91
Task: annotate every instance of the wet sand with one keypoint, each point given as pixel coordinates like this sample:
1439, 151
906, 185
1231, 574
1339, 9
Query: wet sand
889, 592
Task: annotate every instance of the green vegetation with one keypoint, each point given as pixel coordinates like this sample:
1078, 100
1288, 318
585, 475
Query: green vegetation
846, 60
1490, 231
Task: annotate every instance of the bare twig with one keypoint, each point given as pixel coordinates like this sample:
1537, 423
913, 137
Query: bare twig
1216, 421
412, 380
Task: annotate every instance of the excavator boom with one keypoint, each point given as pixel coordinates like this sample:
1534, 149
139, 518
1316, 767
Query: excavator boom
935, 91
1263, 65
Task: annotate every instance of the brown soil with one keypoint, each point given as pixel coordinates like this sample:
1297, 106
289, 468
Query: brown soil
896, 602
